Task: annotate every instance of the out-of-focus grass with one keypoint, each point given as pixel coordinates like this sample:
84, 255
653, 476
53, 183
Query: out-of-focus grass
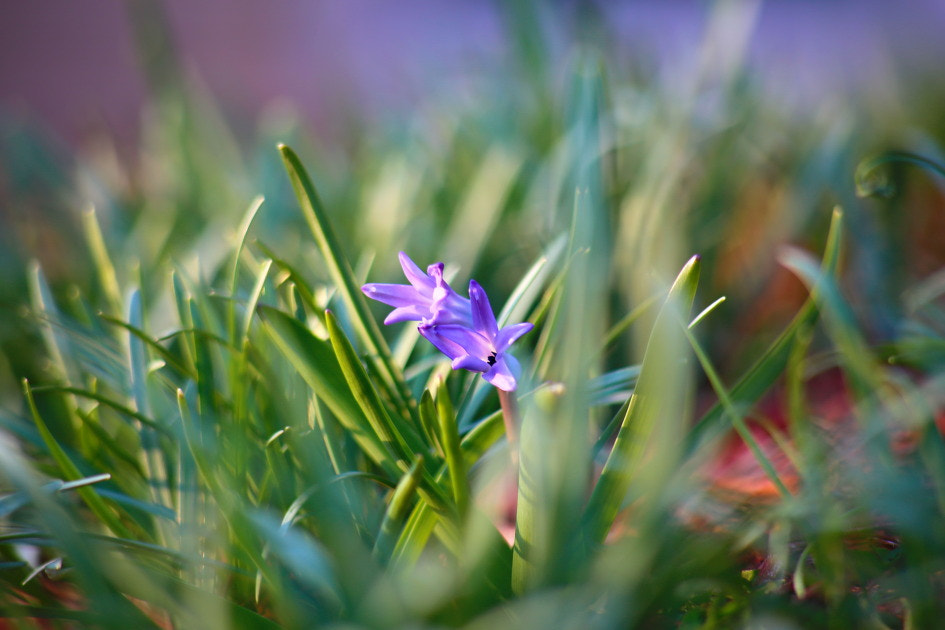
274, 458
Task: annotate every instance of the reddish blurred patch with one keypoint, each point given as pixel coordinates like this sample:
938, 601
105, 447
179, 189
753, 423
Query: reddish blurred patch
735, 472
735, 475
67, 596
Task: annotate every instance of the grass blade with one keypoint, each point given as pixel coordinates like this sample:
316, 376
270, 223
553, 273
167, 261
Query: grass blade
318, 366
423, 520
399, 438
103, 264
449, 438
343, 277
397, 510
643, 412
71, 472
152, 457
737, 419
762, 375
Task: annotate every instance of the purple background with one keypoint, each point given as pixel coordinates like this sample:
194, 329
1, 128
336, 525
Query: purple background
73, 64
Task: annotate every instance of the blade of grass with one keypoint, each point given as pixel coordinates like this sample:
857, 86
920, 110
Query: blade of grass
449, 438
317, 364
166, 592
627, 320
762, 375
241, 235
736, 418
429, 422
343, 277
705, 312
71, 472
56, 343
642, 412
167, 356
859, 363
422, 521
104, 268
251, 303
399, 437
203, 359
152, 457
244, 534
305, 292
400, 503
101, 398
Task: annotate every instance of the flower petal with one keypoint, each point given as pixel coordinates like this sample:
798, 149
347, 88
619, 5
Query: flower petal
471, 363
409, 313
416, 277
447, 346
508, 335
512, 363
393, 294
469, 340
501, 376
482, 316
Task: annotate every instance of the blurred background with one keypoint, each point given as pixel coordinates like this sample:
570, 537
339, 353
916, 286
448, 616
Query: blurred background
164, 115
87, 68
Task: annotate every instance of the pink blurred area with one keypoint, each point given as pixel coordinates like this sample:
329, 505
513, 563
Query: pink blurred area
74, 65
69, 64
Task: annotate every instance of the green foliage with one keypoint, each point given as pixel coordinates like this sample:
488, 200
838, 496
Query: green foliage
235, 441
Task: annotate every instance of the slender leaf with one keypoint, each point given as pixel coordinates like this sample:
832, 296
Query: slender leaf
343, 276
762, 375
397, 509
643, 412
71, 471
399, 437
317, 364
449, 438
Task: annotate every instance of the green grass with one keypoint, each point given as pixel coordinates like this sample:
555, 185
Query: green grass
212, 429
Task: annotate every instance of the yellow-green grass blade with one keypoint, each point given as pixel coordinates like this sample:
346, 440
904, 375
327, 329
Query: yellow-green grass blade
318, 366
769, 367
400, 437
104, 268
344, 279
251, 303
156, 348
449, 438
423, 520
644, 410
400, 503
71, 472
242, 234
429, 421
305, 292
737, 419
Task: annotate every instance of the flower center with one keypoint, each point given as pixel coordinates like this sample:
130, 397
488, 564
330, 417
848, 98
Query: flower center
491, 359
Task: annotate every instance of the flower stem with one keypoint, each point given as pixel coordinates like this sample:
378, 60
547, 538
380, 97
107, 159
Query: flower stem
510, 416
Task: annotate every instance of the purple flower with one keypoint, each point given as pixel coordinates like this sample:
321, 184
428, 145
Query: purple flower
427, 299
481, 347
